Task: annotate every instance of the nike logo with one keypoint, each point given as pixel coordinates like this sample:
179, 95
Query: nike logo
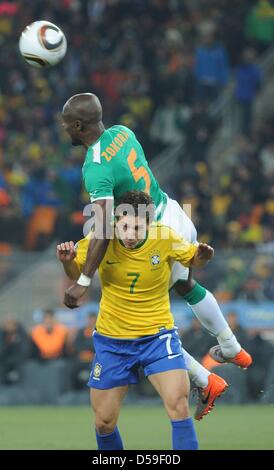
205, 399
113, 262
174, 355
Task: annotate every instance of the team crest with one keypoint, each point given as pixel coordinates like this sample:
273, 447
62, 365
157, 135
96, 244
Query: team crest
155, 259
97, 370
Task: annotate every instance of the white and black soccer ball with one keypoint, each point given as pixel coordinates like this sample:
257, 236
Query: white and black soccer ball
42, 44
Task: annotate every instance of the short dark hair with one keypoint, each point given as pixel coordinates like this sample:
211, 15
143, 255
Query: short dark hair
136, 199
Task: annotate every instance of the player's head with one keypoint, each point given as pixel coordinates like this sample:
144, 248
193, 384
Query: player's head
134, 213
82, 115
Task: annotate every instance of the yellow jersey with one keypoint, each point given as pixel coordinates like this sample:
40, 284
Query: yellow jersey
135, 282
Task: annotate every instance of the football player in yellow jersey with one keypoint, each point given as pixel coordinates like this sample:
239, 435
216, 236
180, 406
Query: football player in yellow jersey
135, 326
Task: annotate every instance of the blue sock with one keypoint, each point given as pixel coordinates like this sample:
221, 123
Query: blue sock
184, 435
111, 441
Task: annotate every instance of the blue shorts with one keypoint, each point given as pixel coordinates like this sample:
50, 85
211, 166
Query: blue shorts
117, 361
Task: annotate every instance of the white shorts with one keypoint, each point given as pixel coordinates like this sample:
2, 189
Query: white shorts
175, 217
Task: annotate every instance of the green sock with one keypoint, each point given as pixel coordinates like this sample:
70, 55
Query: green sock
196, 294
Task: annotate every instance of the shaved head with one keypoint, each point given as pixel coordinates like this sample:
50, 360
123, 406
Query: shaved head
82, 118
86, 107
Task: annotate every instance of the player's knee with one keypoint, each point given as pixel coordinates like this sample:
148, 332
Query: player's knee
184, 287
177, 406
105, 424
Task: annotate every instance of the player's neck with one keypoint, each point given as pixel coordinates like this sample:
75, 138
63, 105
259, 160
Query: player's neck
93, 134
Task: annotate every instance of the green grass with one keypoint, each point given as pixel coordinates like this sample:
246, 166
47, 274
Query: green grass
142, 427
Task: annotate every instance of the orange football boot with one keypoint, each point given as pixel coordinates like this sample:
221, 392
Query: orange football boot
242, 359
207, 396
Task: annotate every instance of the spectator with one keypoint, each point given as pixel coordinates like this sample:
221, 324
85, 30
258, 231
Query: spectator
199, 129
211, 68
196, 340
39, 191
83, 353
267, 160
238, 330
166, 128
49, 338
260, 23
263, 353
14, 350
248, 81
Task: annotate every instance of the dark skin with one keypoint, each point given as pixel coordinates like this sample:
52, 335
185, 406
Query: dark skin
183, 287
96, 252
82, 120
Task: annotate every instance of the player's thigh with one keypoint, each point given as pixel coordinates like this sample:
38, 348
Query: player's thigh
106, 404
173, 388
171, 383
177, 219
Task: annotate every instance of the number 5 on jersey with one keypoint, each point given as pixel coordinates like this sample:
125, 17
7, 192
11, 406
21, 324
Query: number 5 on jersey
138, 173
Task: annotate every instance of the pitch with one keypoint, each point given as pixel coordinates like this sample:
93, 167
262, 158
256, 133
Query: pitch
142, 427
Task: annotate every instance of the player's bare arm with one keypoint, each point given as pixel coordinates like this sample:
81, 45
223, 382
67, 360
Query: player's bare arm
96, 252
203, 255
66, 253
98, 245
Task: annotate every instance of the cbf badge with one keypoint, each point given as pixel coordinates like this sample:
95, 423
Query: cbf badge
97, 371
155, 258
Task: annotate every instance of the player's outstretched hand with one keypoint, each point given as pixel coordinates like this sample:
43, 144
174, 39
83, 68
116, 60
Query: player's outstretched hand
73, 294
65, 252
205, 252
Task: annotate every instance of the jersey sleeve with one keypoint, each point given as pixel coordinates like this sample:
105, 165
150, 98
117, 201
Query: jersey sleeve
99, 182
180, 249
81, 249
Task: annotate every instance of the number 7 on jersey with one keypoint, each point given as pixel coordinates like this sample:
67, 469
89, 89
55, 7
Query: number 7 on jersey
134, 281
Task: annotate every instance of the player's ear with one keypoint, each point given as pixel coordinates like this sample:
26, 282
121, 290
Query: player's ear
79, 125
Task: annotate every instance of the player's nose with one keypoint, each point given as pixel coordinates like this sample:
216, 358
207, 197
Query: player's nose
131, 236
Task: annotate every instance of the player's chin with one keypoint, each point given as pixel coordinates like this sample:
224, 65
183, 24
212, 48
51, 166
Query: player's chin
76, 142
130, 245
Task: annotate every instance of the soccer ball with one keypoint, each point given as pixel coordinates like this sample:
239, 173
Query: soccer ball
42, 44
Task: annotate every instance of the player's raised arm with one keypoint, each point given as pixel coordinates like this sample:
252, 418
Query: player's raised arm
202, 256
66, 254
96, 251
189, 254
99, 242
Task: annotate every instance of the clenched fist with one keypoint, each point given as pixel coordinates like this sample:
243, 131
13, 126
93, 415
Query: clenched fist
65, 252
205, 252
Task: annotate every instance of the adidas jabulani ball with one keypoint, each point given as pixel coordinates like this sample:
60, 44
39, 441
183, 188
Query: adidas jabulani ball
42, 44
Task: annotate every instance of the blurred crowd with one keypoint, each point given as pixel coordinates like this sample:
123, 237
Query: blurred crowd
48, 341
241, 202
51, 342
157, 65
240, 275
